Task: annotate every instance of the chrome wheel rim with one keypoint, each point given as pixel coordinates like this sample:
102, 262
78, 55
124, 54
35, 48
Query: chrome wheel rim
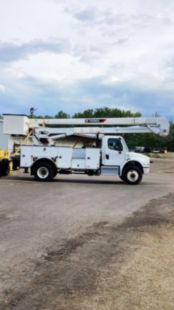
43, 172
132, 176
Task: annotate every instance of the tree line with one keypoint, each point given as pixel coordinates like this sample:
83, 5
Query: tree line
100, 112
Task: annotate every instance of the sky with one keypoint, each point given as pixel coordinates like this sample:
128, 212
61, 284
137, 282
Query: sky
73, 55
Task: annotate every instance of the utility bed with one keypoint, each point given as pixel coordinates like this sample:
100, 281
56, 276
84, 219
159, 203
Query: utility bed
63, 157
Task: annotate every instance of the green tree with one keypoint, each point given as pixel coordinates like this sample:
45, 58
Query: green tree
105, 112
61, 114
85, 114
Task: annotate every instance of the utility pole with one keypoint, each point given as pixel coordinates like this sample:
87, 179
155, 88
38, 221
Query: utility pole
32, 110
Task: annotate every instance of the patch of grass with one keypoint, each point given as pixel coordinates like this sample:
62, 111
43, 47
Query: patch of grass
154, 155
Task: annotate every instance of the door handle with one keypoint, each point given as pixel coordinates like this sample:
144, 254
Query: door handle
107, 156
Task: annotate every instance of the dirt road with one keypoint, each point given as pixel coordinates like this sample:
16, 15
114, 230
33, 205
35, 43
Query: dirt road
81, 243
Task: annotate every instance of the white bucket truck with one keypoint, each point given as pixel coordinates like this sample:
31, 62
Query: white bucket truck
96, 146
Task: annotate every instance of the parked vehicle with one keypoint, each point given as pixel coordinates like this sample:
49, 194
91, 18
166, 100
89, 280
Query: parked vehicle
107, 156
106, 152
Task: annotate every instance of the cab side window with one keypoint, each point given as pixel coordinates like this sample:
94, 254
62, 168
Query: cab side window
115, 144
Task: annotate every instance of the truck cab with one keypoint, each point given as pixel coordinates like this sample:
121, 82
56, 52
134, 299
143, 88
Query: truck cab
114, 150
117, 160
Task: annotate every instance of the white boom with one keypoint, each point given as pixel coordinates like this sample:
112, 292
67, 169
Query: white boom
22, 125
158, 125
155, 125
129, 121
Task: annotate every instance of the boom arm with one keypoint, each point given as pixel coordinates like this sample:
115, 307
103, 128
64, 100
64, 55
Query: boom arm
22, 125
152, 122
158, 126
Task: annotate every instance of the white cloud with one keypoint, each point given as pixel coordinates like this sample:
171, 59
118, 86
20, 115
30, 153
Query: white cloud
118, 41
2, 89
23, 21
62, 68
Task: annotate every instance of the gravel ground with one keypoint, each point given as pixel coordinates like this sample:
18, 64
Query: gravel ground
88, 243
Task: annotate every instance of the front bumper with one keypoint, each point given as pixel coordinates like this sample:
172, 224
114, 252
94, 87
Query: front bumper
146, 170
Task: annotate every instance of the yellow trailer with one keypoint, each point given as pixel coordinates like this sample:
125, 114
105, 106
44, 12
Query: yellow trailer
4, 154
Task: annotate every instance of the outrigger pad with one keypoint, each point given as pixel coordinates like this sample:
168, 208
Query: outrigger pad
4, 167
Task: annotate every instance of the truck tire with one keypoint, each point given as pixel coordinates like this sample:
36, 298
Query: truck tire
132, 175
4, 167
43, 172
54, 174
122, 178
15, 163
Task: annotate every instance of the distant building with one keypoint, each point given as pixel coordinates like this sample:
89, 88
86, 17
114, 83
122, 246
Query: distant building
6, 141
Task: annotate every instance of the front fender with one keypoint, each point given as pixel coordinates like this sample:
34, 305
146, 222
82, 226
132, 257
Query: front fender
131, 163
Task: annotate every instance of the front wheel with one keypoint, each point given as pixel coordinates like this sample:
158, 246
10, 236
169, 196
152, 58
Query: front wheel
43, 172
132, 175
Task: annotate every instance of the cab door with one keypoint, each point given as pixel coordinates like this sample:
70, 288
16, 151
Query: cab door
113, 151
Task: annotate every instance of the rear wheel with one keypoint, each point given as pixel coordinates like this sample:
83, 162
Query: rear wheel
4, 167
132, 175
43, 172
54, 173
